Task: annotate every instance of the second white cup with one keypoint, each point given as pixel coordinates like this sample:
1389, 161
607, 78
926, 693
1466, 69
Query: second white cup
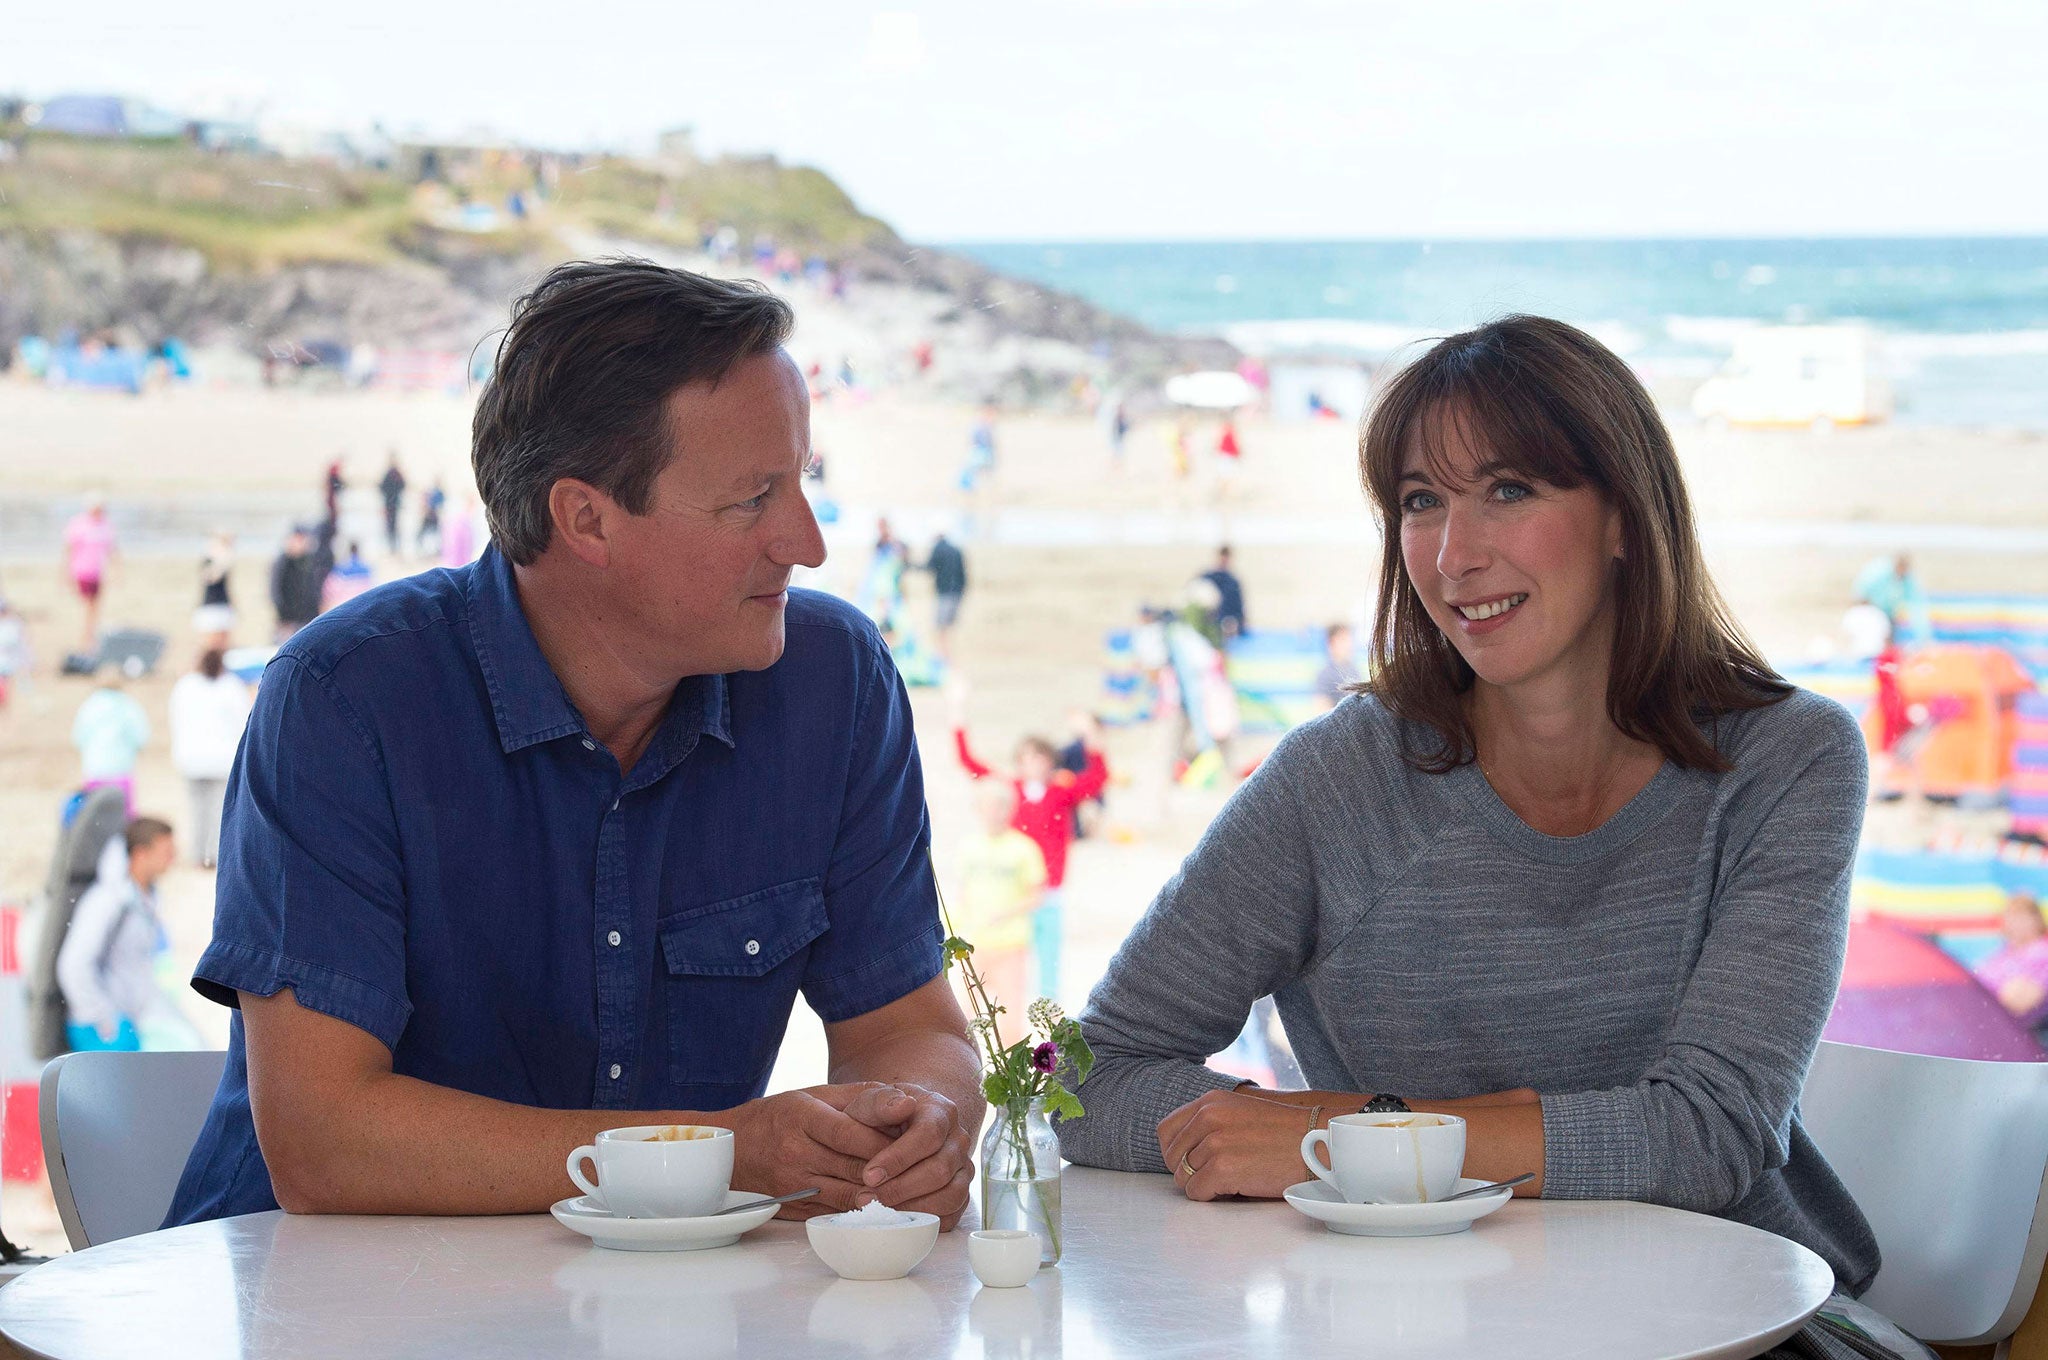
641, 1174
1389, 1158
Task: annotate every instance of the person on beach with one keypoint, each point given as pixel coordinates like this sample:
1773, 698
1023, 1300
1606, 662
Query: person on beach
549, 844
1046, 799
110, 729
1073, 758
15, 658
431, 504
214, 619
2017, 973
1002, 887
297, 578
881, 594
348, 578
89, 550
1340, 666
1228, 455
106, 967
1229, 595
1889, 584
981, 448
1576, 868
334, 483
948, 566
391, 487
209, 708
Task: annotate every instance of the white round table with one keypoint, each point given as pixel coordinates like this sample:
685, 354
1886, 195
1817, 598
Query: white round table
1146, 1274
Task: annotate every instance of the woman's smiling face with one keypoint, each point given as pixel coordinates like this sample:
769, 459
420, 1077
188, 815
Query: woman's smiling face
1518, 573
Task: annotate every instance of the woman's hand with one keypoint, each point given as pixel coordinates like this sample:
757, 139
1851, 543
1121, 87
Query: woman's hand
1233, 1143
1240, 1143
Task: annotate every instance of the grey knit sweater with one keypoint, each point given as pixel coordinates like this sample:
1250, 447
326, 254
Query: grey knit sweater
1661, 981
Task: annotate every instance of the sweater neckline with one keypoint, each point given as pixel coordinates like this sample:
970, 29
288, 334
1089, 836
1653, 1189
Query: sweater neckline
1634, 817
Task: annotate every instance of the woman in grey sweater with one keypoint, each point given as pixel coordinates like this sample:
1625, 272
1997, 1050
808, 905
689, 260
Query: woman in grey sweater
1573, 866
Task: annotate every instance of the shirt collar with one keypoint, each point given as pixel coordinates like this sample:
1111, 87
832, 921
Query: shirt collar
528, 702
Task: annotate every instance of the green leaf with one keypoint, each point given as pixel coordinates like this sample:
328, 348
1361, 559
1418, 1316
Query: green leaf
1060, 1103
1074, 1049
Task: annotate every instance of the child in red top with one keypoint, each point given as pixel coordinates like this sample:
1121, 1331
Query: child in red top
1046, 799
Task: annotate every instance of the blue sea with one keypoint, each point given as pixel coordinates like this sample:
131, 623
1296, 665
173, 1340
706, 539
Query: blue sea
1962, 322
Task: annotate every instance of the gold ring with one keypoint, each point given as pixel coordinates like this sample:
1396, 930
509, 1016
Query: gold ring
1184, 1164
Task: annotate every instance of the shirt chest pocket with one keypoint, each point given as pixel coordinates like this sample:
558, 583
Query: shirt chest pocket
733, 972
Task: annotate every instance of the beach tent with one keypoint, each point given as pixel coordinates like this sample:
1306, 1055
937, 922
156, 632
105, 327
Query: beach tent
1901, 992
2027, 788
1970, 690
105, 115
2016, 624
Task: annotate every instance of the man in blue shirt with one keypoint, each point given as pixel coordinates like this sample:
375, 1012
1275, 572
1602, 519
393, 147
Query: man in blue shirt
549, 844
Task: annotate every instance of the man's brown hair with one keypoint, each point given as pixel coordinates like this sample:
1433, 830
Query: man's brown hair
583, 377
1549, 402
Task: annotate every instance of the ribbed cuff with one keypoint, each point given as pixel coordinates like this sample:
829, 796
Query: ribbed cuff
1594, 1145
1163, 1088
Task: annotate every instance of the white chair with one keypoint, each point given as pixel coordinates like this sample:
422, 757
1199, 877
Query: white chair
1948, 1159
117, 1128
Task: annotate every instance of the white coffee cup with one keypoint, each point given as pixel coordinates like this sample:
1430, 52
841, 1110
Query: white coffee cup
641, 1174
1389, 1158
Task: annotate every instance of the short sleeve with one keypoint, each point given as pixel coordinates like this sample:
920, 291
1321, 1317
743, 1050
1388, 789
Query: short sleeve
311, 893
881, 901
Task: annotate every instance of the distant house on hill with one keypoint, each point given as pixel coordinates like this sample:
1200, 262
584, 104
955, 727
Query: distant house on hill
106, 115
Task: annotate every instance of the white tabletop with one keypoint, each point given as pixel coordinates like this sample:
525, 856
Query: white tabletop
1146, 1274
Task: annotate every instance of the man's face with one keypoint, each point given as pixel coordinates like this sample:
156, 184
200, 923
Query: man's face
702, 577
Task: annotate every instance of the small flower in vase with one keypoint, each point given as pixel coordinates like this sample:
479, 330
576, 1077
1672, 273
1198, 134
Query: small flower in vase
1023, 1081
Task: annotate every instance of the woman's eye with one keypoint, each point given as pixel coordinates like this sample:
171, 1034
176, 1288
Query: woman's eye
1415, 502
1513, 491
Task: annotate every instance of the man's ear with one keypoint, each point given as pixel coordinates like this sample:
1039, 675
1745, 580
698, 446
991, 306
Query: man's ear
583, 516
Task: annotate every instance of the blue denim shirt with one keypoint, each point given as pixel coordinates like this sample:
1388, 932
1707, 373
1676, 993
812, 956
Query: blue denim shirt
422, 839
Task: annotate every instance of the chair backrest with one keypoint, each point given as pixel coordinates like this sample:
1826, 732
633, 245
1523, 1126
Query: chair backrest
117, 1128
1948, 1159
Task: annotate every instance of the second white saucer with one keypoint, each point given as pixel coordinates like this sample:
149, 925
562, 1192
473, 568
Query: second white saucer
1323, 1204
581, 1215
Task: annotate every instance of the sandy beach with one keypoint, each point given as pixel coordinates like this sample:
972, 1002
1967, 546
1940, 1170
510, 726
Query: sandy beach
1066, 546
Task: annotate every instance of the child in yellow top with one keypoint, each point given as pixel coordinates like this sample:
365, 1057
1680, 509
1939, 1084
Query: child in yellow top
1002, 882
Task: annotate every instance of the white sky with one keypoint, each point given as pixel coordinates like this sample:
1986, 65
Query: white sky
1178, 119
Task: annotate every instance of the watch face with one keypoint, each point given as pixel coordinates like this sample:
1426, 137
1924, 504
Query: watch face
1383, 1104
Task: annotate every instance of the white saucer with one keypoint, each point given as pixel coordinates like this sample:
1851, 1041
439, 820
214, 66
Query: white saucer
1319, 1201
660, 1234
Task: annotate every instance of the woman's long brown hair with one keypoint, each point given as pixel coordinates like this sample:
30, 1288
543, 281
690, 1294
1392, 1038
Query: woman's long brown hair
1552, 403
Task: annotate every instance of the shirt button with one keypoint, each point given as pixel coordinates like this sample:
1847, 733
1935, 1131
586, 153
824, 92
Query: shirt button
613, 937
589, 745
753, 946
616, 1069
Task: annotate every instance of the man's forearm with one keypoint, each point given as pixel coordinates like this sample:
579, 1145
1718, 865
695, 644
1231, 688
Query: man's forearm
943, 1061
398, 1145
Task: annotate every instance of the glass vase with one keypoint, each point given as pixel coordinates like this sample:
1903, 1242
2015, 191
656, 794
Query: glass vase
1020, 1175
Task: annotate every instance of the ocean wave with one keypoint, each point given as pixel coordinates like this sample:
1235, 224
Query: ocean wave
1377, 339
1370, 339
1964, 344
1708, 332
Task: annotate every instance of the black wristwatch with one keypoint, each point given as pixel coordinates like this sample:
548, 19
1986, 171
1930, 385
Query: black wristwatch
1385, 1104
